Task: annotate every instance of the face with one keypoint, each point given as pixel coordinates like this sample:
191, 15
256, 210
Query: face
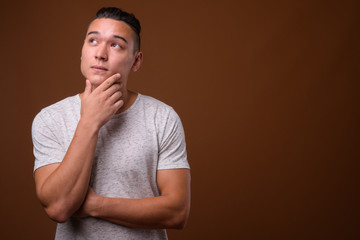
108, 49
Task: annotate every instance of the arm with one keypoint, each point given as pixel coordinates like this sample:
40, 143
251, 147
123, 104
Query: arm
61, 188
169, 210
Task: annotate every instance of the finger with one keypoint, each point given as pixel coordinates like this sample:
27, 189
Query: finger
116, 96
113, 88
109, 82
118, 104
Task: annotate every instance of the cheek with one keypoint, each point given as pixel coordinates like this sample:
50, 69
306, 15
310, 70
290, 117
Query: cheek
85, 54
122, 65
83, 64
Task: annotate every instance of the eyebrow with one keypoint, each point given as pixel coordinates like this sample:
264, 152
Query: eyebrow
115, 36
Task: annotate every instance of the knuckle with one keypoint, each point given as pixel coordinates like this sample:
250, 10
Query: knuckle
104, 97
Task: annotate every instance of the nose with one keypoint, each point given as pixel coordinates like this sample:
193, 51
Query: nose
101, 53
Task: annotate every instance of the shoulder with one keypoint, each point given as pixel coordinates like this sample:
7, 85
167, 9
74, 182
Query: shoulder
156, 106
63, 105
163, 115
153, 102
58, 110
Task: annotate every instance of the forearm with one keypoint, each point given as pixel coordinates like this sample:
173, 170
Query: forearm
155, 212
170, 210
64, 190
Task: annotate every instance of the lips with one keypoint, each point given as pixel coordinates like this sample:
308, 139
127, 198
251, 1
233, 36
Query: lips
99, 68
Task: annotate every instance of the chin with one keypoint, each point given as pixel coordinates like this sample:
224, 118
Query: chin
97, 79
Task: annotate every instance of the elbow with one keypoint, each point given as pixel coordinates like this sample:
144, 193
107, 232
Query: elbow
57, 214
59, 210
179, 225
56, 210
179, 219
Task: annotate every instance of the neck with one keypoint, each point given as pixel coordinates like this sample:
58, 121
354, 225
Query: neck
129, 98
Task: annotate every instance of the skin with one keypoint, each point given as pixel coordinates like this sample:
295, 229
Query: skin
109, 49
107, 59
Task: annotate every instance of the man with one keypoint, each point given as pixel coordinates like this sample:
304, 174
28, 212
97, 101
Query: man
111, 163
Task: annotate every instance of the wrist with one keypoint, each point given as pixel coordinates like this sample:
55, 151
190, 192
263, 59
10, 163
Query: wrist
97, 206
88, 126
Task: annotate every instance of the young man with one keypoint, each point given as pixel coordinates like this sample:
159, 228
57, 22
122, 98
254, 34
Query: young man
111, 163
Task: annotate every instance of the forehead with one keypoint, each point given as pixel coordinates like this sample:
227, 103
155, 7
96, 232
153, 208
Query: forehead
107, 27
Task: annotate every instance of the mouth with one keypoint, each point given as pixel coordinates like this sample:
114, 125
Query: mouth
99, 68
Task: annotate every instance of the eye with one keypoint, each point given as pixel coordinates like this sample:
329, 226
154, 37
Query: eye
93, 41
116, 45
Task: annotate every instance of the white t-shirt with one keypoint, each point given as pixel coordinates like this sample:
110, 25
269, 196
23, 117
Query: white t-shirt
131, 147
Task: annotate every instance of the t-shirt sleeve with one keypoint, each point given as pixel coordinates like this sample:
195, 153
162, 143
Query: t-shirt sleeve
47, 148
172, 146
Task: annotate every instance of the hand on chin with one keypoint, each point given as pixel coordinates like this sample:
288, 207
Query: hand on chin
97, 80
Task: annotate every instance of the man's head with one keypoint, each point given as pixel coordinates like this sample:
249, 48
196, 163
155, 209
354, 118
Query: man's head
128, 18
111, 46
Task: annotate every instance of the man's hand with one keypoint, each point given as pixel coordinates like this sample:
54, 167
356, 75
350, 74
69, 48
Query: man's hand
90, 204
100, 104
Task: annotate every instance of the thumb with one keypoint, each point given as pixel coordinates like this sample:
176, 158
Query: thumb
88, 88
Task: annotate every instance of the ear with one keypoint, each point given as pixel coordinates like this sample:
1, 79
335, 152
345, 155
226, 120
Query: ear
137, 62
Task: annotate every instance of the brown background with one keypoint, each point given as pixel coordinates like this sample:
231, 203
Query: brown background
268, 92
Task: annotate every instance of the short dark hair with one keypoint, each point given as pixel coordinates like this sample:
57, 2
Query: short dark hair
120, 15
